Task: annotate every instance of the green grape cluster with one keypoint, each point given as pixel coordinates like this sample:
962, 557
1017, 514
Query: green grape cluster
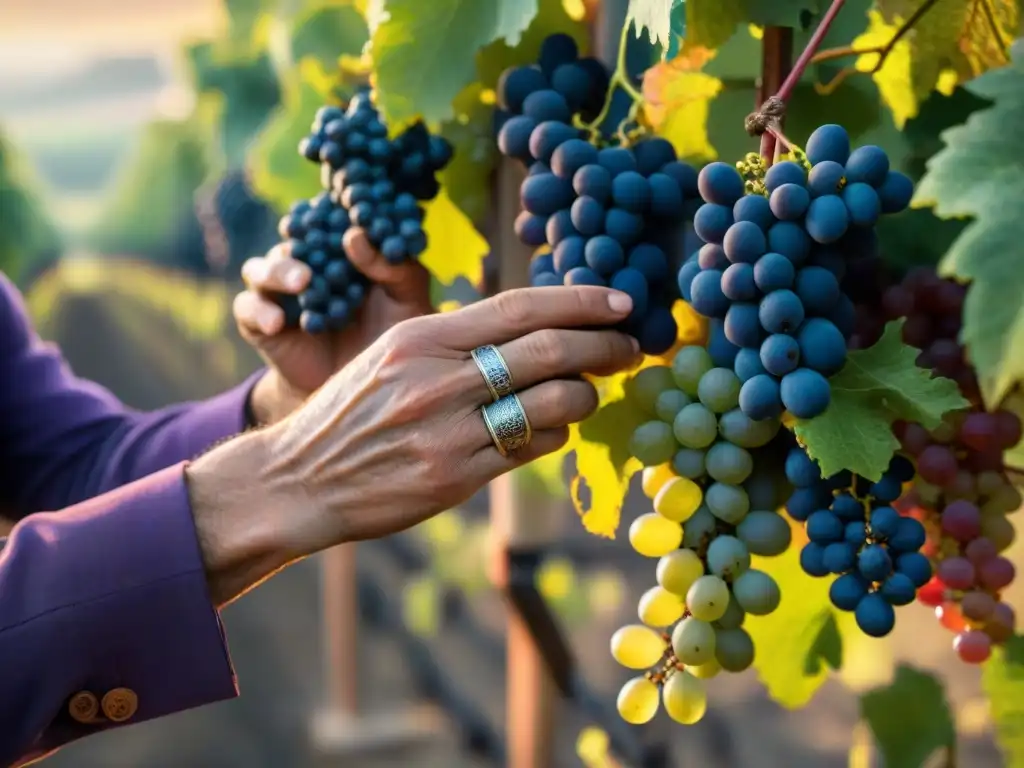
715, 493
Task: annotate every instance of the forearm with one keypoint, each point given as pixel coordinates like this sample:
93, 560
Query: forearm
112, 593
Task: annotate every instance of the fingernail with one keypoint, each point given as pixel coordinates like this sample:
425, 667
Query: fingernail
295, 278
620, 302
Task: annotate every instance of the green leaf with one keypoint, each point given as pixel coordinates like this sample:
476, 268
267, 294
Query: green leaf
781, 13
424, 53
876, 386
468, 177
243, 16
802, 639
653, 15
551, 18
909, 718
980, 174
1003, 681
328, 32
279, 174
710, 23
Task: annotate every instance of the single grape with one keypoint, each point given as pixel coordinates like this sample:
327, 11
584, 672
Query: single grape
756, 592
824, 527
637, 702
734, 649
684, 697
761, 398
704, 671
660, 608
786, 172
654, 478
885, 522
995, 574
827, 219
898, 589
743, 326
812, 560
789, 202
805, 393
728, 557
874, 562
977, 605
874, 615
828, 143
780, 354
728, 463
652, 535
678, 499
678, 570
779, 312
695, 426
962, 521
744, 242
729, 503
973, 646
653, 443
637, 647
707, 599
847, 591
689, 366
720, 183
765, 533
956, 573
693, 641
670, 403
719, 390
689, 463
699, 528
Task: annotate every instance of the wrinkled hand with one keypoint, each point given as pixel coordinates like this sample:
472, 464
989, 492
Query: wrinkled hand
300, 362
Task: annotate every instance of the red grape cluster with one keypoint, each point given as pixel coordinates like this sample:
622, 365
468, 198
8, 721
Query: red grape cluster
961, 492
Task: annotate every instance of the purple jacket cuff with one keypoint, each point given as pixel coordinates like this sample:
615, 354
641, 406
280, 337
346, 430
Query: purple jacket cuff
108, 594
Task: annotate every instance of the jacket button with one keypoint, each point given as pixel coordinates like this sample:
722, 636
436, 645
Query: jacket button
120, 704
83, 707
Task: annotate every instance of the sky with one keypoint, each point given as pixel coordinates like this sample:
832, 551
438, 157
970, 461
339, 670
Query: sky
47, 38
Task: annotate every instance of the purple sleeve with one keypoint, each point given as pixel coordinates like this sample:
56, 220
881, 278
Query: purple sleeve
64, 440
107, 594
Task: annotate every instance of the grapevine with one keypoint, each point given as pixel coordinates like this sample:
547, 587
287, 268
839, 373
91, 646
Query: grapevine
805, 398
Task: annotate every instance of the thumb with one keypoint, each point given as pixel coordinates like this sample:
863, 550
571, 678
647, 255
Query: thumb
406, 283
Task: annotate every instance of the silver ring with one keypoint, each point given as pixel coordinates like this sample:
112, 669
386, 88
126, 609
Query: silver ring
494, 369
507, 422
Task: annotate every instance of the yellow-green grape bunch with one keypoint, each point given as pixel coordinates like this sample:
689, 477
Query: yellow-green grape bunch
753, 168
712, 511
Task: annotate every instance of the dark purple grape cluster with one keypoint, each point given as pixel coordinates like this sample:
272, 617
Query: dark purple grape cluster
609, 217
372, 182
776, 254
856, 533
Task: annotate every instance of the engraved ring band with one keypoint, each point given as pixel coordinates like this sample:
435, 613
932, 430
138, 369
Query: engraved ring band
508, 424
495, 371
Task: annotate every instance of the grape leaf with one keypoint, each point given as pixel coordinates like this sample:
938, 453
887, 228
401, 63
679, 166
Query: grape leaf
798, 643
454, 248
876, 386
1003, 681
980, 174
653, 15
953, 35
603, 464
424, 53
468, 177
710, 23
676, 103
781, 13
279, 174
328, 32
909, 718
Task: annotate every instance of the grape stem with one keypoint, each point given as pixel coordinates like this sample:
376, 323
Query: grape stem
619, 79
774, 126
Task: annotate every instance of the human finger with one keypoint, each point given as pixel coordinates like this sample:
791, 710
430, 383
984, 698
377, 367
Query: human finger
405, 282
489, 463
515, 313
562, 353
257, 316
276, 273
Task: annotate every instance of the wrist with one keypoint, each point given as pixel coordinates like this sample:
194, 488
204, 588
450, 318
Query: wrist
271, 399
238, 514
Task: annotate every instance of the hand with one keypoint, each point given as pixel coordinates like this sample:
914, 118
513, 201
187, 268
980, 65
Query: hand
299, 362
398, 436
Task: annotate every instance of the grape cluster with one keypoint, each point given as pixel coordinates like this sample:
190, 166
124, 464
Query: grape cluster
715, 492
372, 182
777, 249
961, 494
855, 533
610, 216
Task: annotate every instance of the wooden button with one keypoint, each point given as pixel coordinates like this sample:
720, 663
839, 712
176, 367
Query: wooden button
120, 704
84, 707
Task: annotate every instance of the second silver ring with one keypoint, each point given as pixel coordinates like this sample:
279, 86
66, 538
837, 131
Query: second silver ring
495, 371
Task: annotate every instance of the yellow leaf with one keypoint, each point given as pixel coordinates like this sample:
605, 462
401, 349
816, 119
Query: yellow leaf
592, 747
894, 78
556, 579
676, 105
603, 465
454, 248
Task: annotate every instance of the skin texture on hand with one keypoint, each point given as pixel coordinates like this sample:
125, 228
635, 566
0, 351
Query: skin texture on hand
299, 362
397, 436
